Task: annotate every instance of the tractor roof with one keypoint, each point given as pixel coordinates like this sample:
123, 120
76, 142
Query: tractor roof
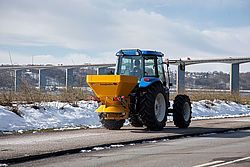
138, 52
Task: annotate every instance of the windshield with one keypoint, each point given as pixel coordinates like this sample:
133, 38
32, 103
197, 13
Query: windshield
130, 65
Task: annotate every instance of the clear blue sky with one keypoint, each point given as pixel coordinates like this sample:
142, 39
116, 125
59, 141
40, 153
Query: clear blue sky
91, 31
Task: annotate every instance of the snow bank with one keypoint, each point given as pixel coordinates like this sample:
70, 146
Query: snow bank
50, 115
218, 109
59, 115
10, 121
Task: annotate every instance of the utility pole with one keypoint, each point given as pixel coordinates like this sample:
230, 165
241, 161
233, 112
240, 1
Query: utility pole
10, 58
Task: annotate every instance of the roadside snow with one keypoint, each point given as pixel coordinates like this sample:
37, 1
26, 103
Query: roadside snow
60, 116
55, 115
10, 121
218, 109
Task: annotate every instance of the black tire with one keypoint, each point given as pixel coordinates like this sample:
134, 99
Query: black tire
112, 124
135, 120
182, 111
147, 107
133, 115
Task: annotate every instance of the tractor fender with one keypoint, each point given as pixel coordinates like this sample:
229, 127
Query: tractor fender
147, 81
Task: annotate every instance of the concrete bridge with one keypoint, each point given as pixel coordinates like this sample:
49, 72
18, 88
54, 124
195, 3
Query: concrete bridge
44, 69
234, 72
101, 68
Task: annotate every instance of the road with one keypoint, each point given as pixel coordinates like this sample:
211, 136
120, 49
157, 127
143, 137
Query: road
226, 149
16, 148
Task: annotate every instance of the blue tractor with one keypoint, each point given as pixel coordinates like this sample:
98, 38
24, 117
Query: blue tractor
146, 101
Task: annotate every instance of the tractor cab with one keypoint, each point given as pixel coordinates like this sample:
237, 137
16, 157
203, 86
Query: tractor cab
140, 63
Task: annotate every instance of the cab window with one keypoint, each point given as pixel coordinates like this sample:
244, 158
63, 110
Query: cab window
149, 67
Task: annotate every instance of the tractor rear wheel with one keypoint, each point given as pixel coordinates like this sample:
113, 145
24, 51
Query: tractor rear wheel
153, 107
182, 111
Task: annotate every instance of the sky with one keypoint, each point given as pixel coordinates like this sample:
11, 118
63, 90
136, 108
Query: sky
92, 31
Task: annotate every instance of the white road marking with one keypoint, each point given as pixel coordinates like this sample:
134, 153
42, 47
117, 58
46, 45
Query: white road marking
209, 163
231, 162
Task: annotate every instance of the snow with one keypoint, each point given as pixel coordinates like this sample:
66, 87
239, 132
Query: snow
98, 148
61, 116
218, 109
116, 145
102, 148
56, 115
3, 165
85, 151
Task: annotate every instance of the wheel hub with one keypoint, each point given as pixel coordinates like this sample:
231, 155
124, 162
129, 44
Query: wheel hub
186, 114
160, 107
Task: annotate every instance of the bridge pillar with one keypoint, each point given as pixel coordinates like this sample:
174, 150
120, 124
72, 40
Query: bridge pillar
234, 78
69, 77
42, 79
18, 80
181, 79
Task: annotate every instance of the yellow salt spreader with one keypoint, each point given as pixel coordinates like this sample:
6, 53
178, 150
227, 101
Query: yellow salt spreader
113, 91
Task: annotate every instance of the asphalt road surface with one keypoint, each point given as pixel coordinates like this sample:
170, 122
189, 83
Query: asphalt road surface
13, 147
225, 149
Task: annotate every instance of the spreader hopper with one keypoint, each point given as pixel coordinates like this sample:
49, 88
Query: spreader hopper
113, 91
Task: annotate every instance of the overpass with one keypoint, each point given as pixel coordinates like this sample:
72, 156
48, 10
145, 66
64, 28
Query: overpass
234, 72
43, 69
19, 67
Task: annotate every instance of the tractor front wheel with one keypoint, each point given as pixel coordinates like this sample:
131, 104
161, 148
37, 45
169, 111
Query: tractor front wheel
111, 124
182, 111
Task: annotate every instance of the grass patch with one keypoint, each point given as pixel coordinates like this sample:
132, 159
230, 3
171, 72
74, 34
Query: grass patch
31, 96
226, 96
